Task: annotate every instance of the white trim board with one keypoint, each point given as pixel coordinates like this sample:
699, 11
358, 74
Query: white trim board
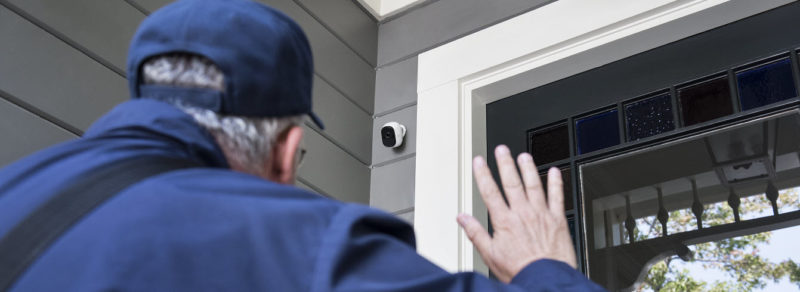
561, 39
382, 9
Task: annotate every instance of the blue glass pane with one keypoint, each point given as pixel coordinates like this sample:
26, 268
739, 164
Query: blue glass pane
597, 132
649, 117
766, 84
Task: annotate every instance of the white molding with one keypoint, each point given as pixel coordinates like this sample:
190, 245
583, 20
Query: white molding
382, 9
373, 6
457, 80
438, 191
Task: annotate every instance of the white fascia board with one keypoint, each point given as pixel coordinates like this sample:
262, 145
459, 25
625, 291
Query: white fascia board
385, 8
389, 7
373, 6
555, 24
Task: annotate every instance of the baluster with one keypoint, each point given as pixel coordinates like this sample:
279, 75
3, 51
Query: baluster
697, 207
772, 196
663, 216
734, 201
630, 224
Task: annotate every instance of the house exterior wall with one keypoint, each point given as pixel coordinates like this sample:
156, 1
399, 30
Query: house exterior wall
63, 66
400, 40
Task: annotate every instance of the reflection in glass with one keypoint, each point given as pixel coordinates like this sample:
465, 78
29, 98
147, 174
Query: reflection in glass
705, 101
686, 192
550, 144
766, 84
763, 261
716, 214
597, 132
648, 117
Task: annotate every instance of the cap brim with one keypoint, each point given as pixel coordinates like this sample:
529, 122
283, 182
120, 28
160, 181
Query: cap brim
317, 120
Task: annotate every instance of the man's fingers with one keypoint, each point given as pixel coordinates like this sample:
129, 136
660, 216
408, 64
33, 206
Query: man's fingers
555, 191
476, 233
530, 176
488, 189
509, 177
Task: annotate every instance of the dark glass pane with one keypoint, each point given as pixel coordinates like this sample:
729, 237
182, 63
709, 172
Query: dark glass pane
766, 84
597, 132
649, 117
550, 145
705, 101
566, 177
571, 225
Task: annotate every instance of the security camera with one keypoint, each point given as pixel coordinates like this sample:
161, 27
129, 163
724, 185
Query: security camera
392, 134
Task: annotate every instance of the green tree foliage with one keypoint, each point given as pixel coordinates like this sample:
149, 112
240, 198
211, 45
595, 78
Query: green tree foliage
739, 258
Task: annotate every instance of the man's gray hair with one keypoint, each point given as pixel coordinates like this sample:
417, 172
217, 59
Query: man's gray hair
246, 141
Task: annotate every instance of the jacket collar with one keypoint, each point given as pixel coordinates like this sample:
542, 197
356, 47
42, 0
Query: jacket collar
156, 120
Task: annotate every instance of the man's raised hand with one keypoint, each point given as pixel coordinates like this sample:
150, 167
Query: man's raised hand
530, 227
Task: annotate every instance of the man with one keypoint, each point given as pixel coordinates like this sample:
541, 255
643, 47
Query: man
188, 186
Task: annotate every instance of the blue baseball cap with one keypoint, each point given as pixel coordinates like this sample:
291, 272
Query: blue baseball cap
264, 56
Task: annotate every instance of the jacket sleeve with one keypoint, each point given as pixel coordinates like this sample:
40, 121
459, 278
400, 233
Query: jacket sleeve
368, 250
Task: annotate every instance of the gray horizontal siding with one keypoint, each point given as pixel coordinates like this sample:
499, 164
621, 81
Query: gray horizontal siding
63, 61
25, 133
396, 86
149, 5
346, 125
392, 186
349, 22
443, 21
50, 75
336, 173
79, 20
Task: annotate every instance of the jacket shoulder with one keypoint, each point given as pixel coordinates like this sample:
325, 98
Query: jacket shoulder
225, 182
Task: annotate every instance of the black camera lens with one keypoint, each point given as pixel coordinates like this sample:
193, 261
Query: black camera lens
388, 137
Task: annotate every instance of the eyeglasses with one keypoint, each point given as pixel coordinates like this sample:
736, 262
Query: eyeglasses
301, 156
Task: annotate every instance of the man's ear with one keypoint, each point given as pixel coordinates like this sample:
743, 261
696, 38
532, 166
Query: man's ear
282, 165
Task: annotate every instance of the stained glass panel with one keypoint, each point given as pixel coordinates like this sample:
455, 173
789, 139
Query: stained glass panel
705, 101
766, 84
648, 117
550, 144
597, 132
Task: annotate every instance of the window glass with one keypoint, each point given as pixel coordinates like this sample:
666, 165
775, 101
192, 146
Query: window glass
645, 205
648, 117
766, 261
550, 144
766, 84
705, 101
597, 131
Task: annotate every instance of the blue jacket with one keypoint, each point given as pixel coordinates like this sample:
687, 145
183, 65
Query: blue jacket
211, 228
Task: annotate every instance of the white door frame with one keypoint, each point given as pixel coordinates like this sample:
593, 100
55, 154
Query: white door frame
561, 39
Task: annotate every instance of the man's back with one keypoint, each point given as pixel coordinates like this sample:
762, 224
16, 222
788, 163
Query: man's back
211, 228
208, 223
